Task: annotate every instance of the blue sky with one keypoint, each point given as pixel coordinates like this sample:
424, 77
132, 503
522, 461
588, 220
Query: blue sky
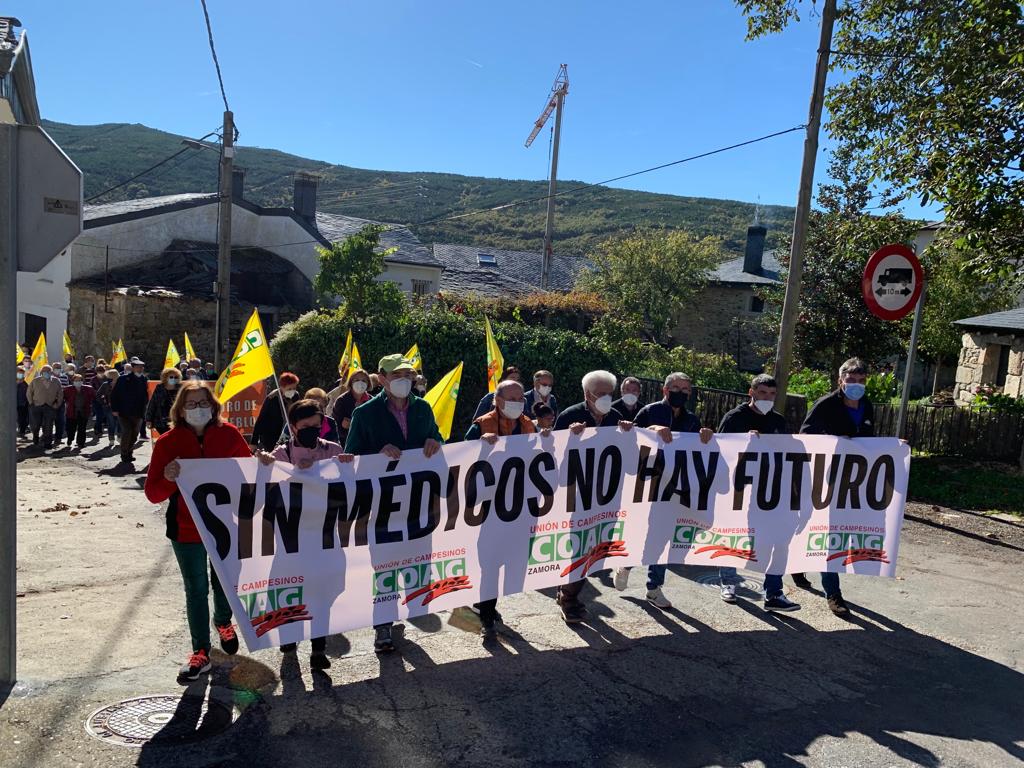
448, 85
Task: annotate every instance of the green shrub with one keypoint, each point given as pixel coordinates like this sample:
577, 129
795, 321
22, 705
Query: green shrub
882, 387
987, 397
312, 345
810, 384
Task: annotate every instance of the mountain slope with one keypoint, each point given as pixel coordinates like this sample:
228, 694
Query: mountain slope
110, 153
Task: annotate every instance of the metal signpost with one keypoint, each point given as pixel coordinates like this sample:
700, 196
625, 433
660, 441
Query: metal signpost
40, 214
893, 284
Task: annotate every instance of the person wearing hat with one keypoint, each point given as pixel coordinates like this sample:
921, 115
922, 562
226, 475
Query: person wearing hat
128, 402
395, 420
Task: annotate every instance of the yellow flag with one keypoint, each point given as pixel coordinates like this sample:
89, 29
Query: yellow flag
68, 349
442, 398
190, 353
495, 362
357, 361
251, 362
413, 356
345, 364
39, 358
172, 358
19, 355
118, 355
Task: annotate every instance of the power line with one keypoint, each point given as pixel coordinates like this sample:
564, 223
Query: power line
213, 51
143, 173
609, 181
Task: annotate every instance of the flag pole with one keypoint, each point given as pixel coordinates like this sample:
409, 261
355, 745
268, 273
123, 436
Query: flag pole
284, 408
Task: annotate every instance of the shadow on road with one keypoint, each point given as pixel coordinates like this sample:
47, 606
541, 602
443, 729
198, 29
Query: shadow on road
688, 696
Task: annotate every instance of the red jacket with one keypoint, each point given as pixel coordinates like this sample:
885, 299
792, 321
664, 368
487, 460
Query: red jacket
69, 400
220, 441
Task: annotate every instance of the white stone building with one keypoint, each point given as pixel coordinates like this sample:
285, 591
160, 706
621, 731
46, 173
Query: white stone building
992, 354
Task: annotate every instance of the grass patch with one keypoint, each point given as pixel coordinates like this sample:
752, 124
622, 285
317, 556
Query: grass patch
984, 486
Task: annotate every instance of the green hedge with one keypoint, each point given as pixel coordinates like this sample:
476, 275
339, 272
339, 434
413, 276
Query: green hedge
311, 347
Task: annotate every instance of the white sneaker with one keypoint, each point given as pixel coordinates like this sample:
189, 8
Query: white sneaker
658, 598
621, 578
728, 593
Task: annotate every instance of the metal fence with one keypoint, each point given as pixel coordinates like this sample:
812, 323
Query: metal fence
938, 430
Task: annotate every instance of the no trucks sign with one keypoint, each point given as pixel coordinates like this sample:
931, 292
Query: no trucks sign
892, 282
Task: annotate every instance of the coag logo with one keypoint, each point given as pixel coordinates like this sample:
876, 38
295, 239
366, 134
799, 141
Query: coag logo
428, 580
583, 547
852, 547
701, 540
274, 608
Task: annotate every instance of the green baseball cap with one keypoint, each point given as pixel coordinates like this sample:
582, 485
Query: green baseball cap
392, 363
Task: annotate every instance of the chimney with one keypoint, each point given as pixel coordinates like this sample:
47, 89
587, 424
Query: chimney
237, 183
755, 249
305, 196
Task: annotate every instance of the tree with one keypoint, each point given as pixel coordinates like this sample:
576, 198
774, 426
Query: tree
651, 276
930, 107
349, 270
954, 293
834, 323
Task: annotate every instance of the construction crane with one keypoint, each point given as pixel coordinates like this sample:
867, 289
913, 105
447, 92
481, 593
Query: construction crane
554, 104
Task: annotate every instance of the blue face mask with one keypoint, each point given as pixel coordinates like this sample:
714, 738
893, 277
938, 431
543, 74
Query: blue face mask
853, 391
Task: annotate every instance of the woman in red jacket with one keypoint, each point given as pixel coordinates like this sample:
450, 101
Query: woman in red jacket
197, 433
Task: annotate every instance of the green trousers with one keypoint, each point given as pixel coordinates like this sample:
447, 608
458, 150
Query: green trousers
193, 563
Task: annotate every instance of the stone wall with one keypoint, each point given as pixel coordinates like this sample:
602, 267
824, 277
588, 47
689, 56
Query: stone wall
147, 319
979, 363
721, 322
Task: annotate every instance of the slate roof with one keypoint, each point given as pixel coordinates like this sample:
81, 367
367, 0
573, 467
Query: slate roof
188, 268
514, 272
1010, 320
95, 215
335, 227
731, 272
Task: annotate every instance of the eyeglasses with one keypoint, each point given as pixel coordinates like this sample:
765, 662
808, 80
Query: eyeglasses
192, 405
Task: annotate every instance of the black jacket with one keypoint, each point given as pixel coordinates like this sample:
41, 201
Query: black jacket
269, 426
660, 414
629, 414
579, 413
130, 395
158, 412
830, 416
743, 418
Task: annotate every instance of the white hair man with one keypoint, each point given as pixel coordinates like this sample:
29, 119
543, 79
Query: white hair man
595, 411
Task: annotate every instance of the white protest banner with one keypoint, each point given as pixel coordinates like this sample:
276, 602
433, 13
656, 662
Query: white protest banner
338, 546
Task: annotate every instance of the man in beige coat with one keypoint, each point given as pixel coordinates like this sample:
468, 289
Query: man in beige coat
45, 397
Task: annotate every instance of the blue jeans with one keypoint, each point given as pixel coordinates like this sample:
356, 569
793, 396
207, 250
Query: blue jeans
772, 582
60, 424
655, 576
830, 583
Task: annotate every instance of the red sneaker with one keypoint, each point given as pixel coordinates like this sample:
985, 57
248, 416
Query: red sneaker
228, 639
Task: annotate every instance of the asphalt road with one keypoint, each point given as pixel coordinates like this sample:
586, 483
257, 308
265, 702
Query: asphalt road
927, 672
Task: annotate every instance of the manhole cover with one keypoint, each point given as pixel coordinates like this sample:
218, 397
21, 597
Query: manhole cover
159, 720
744, 582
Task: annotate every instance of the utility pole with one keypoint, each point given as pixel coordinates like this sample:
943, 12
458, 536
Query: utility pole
555, 101
222, 287
791, 304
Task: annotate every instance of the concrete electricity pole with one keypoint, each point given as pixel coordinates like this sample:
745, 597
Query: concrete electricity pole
791, 305
223, 285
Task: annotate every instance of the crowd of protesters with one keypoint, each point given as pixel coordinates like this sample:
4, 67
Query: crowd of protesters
365, 413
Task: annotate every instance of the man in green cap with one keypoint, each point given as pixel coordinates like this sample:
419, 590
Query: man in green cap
391, 422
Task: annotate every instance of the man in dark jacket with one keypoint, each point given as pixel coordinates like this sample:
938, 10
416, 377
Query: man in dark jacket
629, 403
666, 416
846, 413
756, 416
128, 403
271, 420
595, 411
394, 421
486, 404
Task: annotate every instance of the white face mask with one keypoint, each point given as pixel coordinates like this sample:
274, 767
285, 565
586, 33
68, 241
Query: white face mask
544, 390
359, 387
400, 388
289, 393
603, 404
78, 385
764, 405
512, 410
630, 399
198, 417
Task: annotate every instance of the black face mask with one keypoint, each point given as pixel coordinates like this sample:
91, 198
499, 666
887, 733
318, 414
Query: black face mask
308, 437
678, 399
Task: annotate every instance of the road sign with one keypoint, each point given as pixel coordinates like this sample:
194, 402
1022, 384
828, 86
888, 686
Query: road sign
49, 199
892, 281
